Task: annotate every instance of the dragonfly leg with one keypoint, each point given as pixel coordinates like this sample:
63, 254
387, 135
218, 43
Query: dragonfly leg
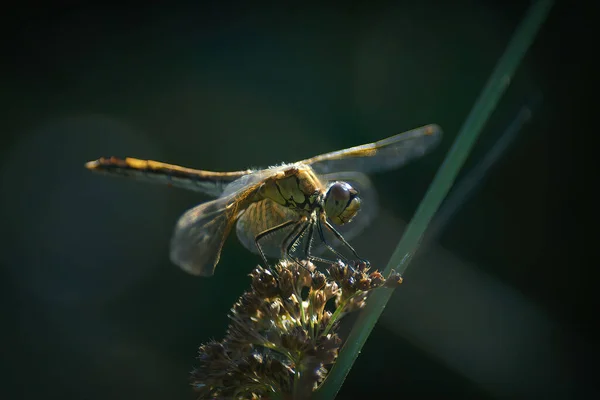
268, 232
344, 241
311, 232
292, 239
322, 236
308, 247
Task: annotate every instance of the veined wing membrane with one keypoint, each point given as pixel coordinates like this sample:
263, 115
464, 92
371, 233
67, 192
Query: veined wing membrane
385, 154
201, 231
208, 182
199, 237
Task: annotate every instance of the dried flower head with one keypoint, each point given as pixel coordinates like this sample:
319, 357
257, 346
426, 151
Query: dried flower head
282, 337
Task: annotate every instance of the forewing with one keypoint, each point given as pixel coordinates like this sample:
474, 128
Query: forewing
249, 181
385, 154
208, 182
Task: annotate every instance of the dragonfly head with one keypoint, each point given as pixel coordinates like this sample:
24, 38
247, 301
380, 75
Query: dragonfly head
341, 202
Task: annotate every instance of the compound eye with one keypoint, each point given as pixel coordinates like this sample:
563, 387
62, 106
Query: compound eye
341, 202
339, 193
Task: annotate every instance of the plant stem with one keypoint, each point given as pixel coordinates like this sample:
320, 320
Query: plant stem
337, 314
485, 104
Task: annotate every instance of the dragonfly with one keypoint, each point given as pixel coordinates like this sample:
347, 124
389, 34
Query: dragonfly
280, 209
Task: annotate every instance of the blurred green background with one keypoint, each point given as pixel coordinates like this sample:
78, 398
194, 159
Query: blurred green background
497, 306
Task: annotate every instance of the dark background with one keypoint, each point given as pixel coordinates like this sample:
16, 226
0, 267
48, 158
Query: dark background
499, 305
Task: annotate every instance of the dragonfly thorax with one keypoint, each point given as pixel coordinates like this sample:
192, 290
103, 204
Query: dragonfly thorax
341, 202
296, 189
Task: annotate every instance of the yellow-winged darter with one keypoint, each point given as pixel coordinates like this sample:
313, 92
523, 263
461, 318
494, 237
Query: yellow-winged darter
281, 208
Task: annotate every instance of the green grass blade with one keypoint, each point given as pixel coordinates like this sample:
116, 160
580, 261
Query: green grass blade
484, 106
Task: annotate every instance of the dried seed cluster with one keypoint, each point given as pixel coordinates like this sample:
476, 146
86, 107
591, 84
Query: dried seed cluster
282, 337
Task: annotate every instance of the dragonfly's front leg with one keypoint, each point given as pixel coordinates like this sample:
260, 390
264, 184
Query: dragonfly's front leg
341, 239
322, 237
308, 247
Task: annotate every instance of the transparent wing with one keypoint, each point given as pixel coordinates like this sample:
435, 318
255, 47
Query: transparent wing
385, 154
259, 217
249, 180
200, 232
199, 237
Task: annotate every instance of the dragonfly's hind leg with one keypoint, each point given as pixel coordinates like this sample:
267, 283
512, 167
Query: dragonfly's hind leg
268, 232
293, 238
